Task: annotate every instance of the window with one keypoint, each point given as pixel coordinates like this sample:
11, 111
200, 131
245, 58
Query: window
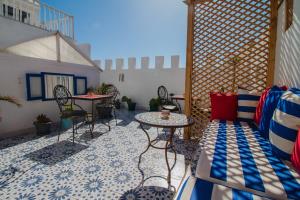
80, 84
51, 80
40, 86
34, 86
10, 11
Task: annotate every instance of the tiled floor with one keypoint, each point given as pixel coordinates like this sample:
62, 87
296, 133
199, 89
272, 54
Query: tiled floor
103, 167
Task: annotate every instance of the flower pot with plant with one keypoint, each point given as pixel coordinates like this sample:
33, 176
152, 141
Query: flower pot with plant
154, 104
131, 105
42, 125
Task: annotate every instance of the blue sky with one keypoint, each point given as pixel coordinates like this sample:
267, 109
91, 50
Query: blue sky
129, 28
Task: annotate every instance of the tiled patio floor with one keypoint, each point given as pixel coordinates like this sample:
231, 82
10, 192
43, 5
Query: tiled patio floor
103, 167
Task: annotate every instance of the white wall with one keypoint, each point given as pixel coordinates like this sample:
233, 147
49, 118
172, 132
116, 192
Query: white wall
13, 32
13, 83
141, 81
287, 68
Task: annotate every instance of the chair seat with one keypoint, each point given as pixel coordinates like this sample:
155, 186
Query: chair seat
73, 113
169, 107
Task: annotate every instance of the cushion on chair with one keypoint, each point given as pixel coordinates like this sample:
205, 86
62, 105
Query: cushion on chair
169, 107
247, 102
73, 113
296, 154
268, 110
223, 106
284, 124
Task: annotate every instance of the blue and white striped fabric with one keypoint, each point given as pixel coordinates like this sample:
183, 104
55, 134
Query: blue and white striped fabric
237, 156
247, 103
285, 124
198, 189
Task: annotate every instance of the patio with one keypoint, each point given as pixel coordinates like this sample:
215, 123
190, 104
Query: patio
103, 167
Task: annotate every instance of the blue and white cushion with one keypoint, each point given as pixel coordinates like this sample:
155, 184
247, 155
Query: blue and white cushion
247, 103
285, 124
237, 156
195, 188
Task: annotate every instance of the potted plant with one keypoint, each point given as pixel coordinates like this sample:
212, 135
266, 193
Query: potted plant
102, 89
118, 104
42, 125
130, 103
90, 91
154, 104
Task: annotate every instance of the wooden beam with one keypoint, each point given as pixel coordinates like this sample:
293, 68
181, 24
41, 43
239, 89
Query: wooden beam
189, 65
273, 39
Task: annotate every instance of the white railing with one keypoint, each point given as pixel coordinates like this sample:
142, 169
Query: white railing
38, 14
53, 19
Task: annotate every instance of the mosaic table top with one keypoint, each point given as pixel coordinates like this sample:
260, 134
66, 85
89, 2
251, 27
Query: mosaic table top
154, 119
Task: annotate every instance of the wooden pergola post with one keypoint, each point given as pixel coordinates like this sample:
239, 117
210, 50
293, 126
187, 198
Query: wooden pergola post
189, 64
273, 39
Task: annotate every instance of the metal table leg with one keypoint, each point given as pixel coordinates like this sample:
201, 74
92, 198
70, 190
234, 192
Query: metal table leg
168, 145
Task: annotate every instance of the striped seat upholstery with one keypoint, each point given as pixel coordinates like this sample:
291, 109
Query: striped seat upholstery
237, 156
247, 103
285, 124
198, 189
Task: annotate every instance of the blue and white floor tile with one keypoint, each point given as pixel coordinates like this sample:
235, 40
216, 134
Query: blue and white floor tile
103, 167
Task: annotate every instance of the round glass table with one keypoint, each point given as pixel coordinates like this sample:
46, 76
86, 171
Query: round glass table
172, 123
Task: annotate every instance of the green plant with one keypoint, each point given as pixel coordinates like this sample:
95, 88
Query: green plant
42, 119
154, 104
10, 100
130, 103
102, 89
126, 99
90, 90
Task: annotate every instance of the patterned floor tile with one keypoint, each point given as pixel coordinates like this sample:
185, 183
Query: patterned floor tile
103, 167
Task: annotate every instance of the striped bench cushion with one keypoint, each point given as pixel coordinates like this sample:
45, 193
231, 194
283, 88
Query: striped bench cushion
198, 189
237, 156
247, 103
284, 124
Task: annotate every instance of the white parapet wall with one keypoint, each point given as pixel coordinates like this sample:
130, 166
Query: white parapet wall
136, 79
13, 71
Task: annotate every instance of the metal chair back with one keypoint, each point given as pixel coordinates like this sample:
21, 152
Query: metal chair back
112, 90
63, 97
163, 95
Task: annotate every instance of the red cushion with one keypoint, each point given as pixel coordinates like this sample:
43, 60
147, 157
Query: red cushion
259, 108
296, 154
223, 106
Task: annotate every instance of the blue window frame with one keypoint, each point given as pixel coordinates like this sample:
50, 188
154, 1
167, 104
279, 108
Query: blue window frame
34, 87
80, 85
40, 86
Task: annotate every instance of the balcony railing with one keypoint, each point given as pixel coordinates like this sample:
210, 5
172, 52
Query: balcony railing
53, 19
38, 14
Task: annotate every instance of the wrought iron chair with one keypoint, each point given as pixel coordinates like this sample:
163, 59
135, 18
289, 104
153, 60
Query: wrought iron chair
110, 102
67, 107
165, 102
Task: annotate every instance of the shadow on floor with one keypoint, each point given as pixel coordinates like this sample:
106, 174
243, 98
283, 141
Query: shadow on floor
52, 154
147, 192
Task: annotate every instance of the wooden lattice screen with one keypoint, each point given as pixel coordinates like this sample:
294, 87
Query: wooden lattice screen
231, 43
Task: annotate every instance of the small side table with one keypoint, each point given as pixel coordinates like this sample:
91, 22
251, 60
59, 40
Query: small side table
154, 119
